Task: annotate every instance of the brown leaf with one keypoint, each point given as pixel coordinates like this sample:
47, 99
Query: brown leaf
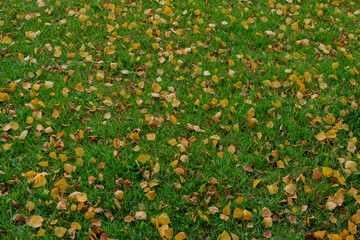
248, 168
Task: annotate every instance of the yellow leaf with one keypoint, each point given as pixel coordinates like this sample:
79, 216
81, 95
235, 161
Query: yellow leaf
321, 136
55, 114
70, 55
4, 96
110, 28
173, 119
225, 236
256, 182
245, 25
7, 146
331, 134
57, 53
40, 180
143, 158
68, 168
79, 87
351, 147
290, 188
295, 26
60, 231
55, 192
83, 18
62, 184
268, 221
134, 136
118, 143
180, 236
334, 237
156, 87
136, 46
163, 219
81, 197
280, 164
307, 76
172, 142
327, 172
79, 152
273, 189
226, 210
238, 213
234, 237
248, 215
89, 215
6, 40
151, 195
23, 134
253, 122
251, 112
351, 165
44, 163
335, 65
330, 205
352, 228
35, 221
53, 155
319, 234
76, 225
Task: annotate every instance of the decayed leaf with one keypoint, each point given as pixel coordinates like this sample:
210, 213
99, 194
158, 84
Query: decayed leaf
140, 215
119, 194
18, 218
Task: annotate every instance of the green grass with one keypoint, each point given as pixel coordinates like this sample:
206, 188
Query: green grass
214, 93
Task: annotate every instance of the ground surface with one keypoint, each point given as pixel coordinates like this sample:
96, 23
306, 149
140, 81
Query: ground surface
173, 119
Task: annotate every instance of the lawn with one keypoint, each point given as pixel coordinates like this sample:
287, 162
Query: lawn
192, 119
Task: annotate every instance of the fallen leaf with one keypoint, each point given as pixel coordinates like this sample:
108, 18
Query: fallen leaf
35, 221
